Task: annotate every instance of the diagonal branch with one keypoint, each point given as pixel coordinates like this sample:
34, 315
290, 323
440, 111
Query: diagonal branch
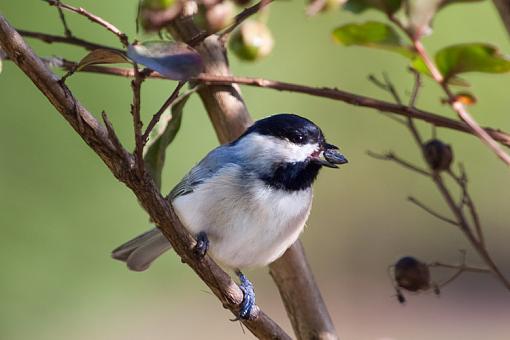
353, 99
157, 115
245, 14
503, 7
50, 39
390, 156
92, 17
159, 209
323, 92
430, 211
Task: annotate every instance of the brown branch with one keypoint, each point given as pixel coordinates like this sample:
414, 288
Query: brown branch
462, 267
50, 39
466, 199
62, 17
430, 211
92, 17
157, 115
503, 7
159, 209
459, 269
136, 85
390, 156
298, 290
112, 136
323, 92
353, 99
245, 14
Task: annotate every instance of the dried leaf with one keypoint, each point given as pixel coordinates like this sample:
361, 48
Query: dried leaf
102, 56
174, 60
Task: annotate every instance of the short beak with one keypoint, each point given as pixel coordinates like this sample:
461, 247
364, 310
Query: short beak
330, 156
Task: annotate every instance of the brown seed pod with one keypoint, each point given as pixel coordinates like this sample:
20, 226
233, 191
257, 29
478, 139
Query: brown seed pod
439, 155
412, 274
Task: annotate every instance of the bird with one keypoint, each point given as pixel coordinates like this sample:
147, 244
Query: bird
246, 202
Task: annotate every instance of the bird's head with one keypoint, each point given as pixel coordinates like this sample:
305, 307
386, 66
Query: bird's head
287, 151
289, 138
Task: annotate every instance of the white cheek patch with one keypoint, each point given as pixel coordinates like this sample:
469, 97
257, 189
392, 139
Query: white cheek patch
296, 152
278, 149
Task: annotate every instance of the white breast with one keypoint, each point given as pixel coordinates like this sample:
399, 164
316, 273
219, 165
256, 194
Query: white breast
247, 225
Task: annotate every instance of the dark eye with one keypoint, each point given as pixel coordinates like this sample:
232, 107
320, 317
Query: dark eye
297, 138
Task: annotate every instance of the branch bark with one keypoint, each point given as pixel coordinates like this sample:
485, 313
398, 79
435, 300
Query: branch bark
122, 165
323, 92
503, 7
230, 117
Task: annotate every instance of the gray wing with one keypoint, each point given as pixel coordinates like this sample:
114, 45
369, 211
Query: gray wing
206, 169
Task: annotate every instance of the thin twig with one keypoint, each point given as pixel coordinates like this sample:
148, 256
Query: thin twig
62, 17
416, 87
92, 17
430, 211
112, 136
137, 123
241, 17
324, 92
390, 156
463, 267
467, 200
157, 115
50, 38
459, 269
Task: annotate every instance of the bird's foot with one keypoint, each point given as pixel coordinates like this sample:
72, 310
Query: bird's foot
245, 311
202, 245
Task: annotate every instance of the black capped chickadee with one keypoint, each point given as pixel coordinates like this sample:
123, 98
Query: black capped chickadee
247, 201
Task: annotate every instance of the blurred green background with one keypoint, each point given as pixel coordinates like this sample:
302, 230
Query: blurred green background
62, 212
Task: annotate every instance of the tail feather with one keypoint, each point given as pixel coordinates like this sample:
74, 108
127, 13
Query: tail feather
141, 251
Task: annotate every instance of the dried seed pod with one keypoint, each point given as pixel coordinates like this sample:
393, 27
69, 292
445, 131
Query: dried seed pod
412, 274
439, 155
252, 41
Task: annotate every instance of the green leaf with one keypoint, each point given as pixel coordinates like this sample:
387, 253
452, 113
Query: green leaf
475, 57
174, 60
419, 65
165, 132
420, 14
102, 56
386, 6
372, 34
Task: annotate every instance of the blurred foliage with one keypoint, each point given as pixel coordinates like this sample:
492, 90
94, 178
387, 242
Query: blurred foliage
63, 212
372, 34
